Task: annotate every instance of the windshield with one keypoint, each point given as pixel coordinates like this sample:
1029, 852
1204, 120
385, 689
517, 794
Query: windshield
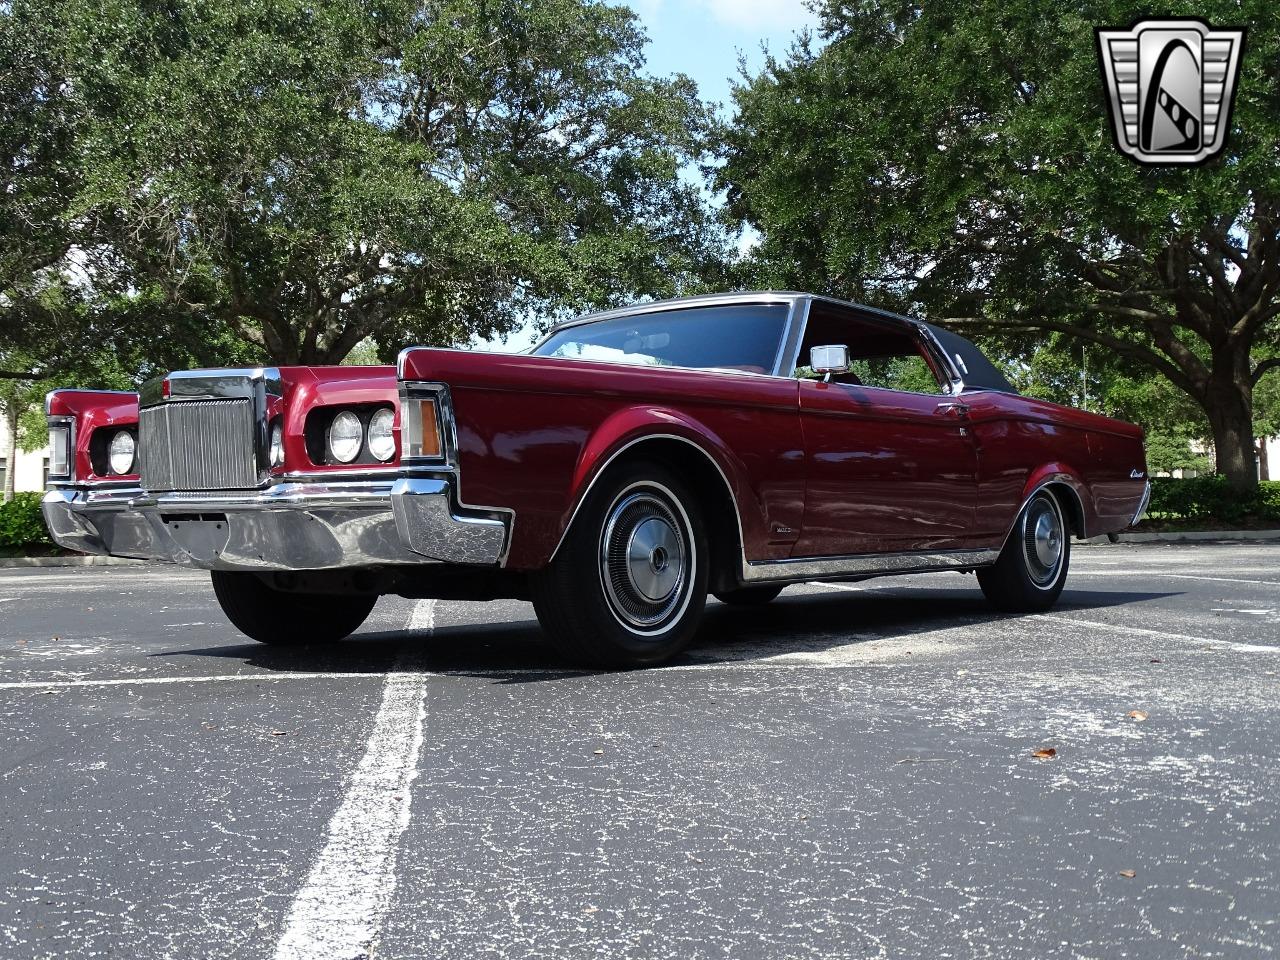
742, 337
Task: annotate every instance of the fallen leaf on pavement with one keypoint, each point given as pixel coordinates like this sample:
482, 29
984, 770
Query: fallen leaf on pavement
1138, 715
1128, 874
1045, 753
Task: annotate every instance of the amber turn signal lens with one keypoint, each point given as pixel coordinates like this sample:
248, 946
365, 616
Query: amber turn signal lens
422, 429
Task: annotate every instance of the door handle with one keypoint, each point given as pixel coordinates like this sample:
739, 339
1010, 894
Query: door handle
953, 408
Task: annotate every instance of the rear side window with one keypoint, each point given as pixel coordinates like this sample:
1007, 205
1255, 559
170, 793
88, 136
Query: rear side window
881, 353
744, 338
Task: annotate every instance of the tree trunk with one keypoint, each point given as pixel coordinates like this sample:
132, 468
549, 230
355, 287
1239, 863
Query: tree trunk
1264, 464
1230, 410
10, 448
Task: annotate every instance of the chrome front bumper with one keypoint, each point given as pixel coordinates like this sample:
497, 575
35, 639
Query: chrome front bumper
288, 526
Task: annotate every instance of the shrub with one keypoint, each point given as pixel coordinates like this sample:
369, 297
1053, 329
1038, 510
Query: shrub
21, 524
1212, 499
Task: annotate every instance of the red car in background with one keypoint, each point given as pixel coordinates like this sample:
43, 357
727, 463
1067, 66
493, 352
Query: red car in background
615, 474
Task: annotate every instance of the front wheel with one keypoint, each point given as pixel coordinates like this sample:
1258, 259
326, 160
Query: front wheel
285, 619
1032, 568
628, 585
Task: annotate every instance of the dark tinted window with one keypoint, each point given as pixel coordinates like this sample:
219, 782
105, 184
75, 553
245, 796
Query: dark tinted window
745, 338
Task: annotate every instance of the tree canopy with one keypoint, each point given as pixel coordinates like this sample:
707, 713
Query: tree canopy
957, 160
306, 175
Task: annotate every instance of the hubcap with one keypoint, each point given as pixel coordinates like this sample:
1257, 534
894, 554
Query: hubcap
644, 561
1043, 536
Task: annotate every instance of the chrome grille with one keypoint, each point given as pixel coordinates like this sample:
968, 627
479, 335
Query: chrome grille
198, 445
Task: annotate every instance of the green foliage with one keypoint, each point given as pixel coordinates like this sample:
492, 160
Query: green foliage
304, 175
956, 160
21, 523
1212, 500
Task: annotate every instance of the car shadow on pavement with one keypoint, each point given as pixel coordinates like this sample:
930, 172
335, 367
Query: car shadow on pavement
848, 624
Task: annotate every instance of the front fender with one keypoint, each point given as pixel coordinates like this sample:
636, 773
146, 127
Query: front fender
630, 428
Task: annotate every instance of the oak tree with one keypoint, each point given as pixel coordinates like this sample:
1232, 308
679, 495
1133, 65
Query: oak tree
956, 159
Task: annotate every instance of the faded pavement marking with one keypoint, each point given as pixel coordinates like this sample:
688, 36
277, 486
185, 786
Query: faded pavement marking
338, 913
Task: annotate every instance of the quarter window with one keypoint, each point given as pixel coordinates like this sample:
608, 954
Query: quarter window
882, 353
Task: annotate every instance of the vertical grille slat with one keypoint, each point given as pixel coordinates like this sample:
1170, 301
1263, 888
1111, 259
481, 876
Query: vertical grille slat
198, 445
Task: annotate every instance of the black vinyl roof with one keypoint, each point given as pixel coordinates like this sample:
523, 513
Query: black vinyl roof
978, 372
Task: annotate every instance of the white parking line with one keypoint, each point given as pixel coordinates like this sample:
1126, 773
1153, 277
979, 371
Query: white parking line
1175, 576
338, 913
1160, 634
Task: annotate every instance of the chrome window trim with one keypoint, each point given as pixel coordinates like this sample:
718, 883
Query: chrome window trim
788, 352
930, 342
678, 304
794, 302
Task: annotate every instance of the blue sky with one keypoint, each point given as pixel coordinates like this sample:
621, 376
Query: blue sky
703, 38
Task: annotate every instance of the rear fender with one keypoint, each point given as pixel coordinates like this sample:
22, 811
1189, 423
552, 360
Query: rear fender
1065, 481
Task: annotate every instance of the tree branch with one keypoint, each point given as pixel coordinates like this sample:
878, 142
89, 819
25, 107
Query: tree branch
1265, 367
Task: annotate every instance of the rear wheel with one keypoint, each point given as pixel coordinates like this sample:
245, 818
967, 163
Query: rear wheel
749, 596
629, 583
276, 617
1032, 568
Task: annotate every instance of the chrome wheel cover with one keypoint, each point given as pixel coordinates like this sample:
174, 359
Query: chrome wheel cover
646, 558
1043, 540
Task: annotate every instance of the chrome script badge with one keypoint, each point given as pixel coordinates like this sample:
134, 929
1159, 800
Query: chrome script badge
1170, 85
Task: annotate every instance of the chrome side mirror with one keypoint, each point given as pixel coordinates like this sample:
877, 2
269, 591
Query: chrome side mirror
829, 359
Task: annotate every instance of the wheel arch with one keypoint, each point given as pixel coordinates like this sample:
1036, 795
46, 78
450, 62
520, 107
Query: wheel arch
1066, 488
699, 459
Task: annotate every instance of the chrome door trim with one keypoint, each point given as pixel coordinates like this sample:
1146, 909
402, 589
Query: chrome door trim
864, 565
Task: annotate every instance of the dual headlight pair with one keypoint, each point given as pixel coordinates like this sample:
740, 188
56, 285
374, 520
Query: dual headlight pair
348, 434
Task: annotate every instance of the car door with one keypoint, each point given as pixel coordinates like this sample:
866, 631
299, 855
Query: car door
887, 470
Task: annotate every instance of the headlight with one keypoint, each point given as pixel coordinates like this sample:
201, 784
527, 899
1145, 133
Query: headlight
120, 453
382, 438
346, 435
275, 454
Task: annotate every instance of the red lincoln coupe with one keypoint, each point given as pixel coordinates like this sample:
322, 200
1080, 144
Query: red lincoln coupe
615, 474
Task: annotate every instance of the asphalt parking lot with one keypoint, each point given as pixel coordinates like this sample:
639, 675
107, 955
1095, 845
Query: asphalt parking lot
849, 772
